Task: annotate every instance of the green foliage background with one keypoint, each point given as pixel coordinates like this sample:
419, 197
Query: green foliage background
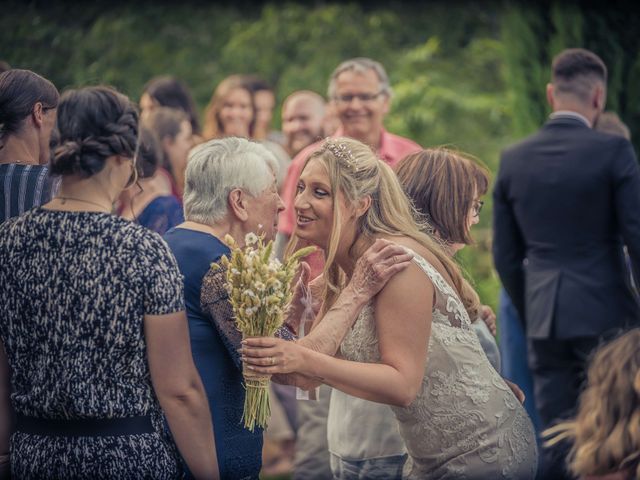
465, 74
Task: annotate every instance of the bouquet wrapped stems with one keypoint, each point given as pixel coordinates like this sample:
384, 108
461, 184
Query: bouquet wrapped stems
257, 406
260, 292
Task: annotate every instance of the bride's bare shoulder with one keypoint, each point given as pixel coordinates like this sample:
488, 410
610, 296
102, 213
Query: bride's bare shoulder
418, 248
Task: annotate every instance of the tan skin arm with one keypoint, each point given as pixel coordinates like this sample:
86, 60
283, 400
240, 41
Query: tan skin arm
403, 319
180, 392
6, 410
374, 268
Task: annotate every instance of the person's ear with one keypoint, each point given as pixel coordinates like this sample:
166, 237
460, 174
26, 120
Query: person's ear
386, 106
599, 98
362, 206
38, 114
550, 98
238, 204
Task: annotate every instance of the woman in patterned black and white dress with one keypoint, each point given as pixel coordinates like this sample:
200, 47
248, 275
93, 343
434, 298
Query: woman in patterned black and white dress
93, 329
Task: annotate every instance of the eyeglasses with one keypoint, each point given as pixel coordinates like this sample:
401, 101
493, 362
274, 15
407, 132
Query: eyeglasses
477, 207
363, 97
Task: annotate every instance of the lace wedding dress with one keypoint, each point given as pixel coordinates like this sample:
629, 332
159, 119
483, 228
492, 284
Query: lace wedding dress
466, 423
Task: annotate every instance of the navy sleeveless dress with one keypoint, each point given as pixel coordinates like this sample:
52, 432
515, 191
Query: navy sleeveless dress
239, 450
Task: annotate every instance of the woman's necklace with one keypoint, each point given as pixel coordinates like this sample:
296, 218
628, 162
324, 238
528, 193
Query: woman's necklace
19, 162
64, 200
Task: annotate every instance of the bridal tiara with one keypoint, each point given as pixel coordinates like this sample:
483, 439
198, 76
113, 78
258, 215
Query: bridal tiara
342, 153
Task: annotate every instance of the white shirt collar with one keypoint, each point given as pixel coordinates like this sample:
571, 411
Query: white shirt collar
569, 113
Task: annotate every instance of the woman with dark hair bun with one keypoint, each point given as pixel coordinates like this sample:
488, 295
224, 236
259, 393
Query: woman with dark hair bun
28, 104
94, 333
167, 91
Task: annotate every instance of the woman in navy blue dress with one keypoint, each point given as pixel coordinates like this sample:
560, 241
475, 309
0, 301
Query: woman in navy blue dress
230, 189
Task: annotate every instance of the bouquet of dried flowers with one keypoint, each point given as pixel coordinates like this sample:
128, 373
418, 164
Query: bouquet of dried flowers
260, 292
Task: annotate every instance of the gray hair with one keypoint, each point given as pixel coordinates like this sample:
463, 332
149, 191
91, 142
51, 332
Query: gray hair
361, 65
218, 166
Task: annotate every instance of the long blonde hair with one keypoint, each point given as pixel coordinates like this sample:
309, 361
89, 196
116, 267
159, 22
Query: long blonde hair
606, 430
355, 170
213, 127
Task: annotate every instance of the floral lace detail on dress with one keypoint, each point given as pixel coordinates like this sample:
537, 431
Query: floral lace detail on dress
465, 422
452, 303
361, 342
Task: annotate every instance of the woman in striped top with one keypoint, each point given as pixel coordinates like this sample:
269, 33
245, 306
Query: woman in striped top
28, 104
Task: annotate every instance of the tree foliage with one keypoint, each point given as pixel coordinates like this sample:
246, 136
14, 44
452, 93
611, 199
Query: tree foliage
533, 33
470, 75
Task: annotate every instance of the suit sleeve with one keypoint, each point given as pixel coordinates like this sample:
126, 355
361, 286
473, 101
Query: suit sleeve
508, 244
626, 174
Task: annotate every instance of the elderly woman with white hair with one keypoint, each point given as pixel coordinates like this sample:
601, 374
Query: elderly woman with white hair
230, 188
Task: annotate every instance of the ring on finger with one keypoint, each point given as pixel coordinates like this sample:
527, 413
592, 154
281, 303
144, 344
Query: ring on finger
273, 360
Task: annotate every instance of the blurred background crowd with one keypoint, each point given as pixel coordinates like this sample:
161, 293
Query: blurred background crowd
467, 75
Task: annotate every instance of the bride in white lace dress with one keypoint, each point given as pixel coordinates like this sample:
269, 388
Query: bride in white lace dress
412, 347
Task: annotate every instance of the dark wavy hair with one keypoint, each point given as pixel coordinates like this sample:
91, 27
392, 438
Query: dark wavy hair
170, 92
150, 153
165, 122
94, 123
20, 90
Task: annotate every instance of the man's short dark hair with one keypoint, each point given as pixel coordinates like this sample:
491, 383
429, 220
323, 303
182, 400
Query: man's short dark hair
577, 71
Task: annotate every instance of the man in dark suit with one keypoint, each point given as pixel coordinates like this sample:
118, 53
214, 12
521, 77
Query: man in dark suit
565, 200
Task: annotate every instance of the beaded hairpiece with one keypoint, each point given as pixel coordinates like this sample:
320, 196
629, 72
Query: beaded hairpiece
342, 153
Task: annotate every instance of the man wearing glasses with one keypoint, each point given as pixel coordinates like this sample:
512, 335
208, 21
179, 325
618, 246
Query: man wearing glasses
360, 92
363, 436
